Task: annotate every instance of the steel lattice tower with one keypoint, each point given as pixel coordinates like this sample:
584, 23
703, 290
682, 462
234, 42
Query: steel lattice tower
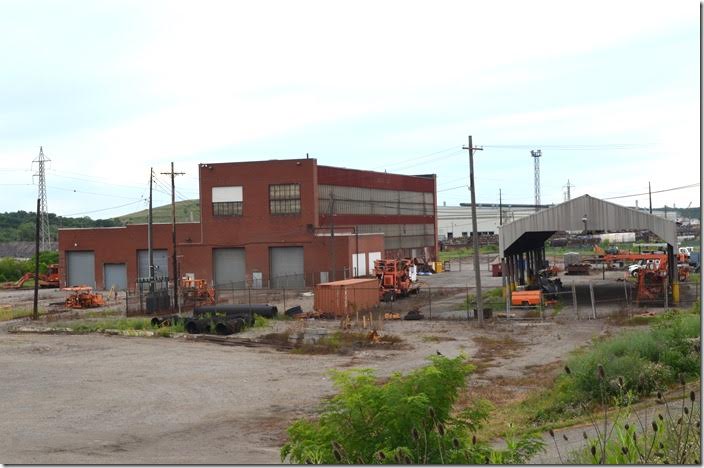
44, 234
536, 158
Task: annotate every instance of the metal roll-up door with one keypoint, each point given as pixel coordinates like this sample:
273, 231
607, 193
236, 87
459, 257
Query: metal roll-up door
115, 274
229, 267
287, 267
80, 268
161, 263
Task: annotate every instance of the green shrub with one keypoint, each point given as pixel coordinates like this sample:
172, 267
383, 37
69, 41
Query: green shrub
406, 420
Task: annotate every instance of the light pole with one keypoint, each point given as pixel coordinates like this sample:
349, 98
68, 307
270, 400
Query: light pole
584, 220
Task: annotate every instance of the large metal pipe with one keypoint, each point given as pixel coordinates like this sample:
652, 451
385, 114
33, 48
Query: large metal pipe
265, 310
197, 325
228, 327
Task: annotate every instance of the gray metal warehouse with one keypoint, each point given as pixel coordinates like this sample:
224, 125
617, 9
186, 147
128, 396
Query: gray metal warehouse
522, 242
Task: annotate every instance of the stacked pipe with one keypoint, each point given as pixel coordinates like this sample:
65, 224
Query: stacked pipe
224, 319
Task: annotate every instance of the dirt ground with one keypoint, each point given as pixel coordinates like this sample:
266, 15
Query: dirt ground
75, 399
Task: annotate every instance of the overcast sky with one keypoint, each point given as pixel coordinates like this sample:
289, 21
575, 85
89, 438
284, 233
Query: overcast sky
609, 91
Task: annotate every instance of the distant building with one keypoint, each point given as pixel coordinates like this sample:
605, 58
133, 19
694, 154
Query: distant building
456, 221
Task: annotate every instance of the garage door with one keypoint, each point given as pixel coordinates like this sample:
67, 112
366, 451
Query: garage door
287, 267
80, 268
161, 263
115, 274
229, 267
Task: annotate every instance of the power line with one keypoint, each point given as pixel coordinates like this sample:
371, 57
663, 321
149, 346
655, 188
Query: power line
655, 191
105, 209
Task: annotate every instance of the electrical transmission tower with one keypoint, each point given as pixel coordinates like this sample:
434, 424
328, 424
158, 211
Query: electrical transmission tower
568, 194
44, 234
536, 158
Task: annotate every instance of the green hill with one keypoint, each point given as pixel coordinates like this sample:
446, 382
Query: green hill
19, 226
186, 211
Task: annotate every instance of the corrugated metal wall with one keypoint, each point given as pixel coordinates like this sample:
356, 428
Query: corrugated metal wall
229, 267
80, 268
366, 201
402, 236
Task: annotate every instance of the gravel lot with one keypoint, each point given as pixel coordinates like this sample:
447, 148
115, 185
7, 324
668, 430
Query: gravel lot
75, 399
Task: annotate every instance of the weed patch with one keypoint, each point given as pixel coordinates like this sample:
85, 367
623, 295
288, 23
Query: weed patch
407, 419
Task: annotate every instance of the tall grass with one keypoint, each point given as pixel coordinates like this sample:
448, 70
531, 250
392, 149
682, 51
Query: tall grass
645, 361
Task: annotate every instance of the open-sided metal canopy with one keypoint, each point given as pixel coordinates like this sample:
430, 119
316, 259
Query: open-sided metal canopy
532, 231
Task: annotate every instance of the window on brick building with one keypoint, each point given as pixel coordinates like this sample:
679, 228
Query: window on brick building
227, 201
285, 199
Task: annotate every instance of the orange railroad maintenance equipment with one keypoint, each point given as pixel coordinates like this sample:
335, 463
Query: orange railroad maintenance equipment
82, 297
394, 278
197, 291
48, 280
526, 298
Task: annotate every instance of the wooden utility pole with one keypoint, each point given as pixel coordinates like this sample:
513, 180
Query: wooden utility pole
332, 233
650, 198
475, 236
35, 308
149, 236
173, 233
501, 211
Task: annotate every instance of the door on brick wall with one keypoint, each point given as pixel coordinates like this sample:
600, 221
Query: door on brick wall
287, 267
373, 256
80, 268
229, 267
161, 263
359, 264
115, 274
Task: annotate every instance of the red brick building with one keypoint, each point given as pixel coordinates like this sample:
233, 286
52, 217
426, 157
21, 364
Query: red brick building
269, 223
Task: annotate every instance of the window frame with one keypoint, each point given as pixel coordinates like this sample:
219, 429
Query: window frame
287, 202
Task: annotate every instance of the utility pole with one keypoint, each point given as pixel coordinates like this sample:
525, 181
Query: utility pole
332, 233
475, 237
44, 234
650, 198
536, 169
149, 236
35, 308
173, 233
501, 211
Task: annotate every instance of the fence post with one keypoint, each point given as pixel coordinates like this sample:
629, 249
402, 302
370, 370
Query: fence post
664, 280
284, 293
591, 294
508, 299
625, 293
430, 303
467, 302
574, 300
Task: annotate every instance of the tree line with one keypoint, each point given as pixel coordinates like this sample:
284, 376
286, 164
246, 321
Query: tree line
19, 225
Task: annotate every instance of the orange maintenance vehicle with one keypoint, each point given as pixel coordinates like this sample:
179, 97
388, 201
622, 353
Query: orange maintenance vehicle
48, 280
395, 278
82, 297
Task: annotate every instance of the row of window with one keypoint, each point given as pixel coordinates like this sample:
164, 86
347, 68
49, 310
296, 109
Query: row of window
284, 199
